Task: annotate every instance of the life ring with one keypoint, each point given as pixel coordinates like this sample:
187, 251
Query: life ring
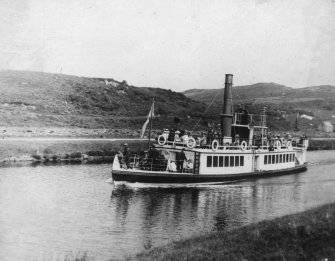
215, 145
277, 144
161, 140
244, 145
289, 144
191, 142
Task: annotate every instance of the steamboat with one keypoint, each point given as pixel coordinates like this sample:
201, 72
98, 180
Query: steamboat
244, 149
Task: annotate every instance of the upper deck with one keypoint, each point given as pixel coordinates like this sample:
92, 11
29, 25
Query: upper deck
251, 120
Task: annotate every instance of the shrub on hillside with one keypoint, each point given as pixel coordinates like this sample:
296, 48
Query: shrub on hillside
95, 153
47, 151
36, 157
75, 155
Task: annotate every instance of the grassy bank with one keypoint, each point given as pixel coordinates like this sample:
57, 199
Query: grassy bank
305, 236
326, 144
16, 150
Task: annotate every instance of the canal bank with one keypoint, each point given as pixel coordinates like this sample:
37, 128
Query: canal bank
17, 149
309, 235
23, 148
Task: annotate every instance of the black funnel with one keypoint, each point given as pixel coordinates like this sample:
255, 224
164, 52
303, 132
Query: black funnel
227, 116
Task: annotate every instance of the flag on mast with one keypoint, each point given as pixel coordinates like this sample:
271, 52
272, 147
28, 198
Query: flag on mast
150, 116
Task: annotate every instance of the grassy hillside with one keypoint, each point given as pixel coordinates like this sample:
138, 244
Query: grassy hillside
283, 103
38, 99
35, 99
243, 92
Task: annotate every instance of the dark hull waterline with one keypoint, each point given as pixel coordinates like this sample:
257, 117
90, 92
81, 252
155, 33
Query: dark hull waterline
182, 178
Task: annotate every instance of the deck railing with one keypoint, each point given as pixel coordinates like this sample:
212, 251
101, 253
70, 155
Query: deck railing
149, 164
244, 144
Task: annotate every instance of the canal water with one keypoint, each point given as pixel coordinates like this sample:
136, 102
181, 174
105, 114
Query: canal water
59, 212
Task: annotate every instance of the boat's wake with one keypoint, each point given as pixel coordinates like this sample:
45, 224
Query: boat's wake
321, 162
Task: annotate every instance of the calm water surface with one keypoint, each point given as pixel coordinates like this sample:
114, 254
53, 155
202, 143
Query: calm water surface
50, 212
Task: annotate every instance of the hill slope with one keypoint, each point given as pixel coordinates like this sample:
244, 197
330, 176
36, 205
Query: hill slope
44, 99
283, 103
35, 99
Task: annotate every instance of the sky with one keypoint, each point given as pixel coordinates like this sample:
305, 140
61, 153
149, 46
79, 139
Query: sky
173, 44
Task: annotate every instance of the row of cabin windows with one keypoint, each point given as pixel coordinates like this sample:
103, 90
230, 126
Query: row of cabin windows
278, 158
225, 161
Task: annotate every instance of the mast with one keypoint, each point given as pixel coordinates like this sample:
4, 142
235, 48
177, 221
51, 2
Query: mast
151, 118
227, 116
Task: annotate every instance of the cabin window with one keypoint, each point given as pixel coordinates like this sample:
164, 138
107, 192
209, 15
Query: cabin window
226, 161
221, 161
265, 159
215, 161
237, 161
273, 159
241, 161
292, 157
269, 159
209, 161
284, 158
287, 160
277, 158
231, 161
280, 158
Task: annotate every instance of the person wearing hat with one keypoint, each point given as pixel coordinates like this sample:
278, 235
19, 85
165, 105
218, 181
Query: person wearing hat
237, 139
184, 137
171, 135
180, 157
125, 154
166, 134
176, 136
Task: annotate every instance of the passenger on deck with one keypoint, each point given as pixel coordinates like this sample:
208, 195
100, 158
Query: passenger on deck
180, 158
301, 139
237, 140
210, 135
184, 137
125, 155
288, 136
154, 157
216, 135
238, 111
245, 116
171, 166
166, 134
171, 136
176, 136
202, 140
189, 165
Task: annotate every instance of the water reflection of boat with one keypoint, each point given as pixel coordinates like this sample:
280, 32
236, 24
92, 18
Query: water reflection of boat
244, 149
